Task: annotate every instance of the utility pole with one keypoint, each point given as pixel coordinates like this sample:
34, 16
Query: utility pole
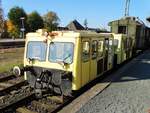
127, 6
85, 24
1, 19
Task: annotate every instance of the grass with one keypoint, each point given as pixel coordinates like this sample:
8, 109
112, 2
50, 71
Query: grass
10, 58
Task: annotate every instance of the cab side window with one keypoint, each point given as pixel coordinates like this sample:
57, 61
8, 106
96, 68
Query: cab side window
94, 49
85, 51
130, 43
116, 43
111, 44
106, 44
125, 44
100, 48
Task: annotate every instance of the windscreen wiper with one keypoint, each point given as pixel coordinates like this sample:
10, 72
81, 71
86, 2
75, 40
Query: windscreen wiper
33, 59
69, 55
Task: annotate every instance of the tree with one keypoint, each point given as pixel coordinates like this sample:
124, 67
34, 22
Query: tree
51, 21
14, 16
1, 20
35, 21
85, 24
11, 29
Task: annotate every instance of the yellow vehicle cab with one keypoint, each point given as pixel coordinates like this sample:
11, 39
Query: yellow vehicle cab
134, 28
123, 47
67, 57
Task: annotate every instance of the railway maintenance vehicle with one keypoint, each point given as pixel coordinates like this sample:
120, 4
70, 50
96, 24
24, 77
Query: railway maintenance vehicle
65, 61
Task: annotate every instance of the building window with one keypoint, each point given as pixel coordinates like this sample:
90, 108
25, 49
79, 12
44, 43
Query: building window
122, 29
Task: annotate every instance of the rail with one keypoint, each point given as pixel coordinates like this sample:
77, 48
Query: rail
9, 43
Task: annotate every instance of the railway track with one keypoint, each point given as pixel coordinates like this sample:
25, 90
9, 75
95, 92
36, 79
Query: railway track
4, 44
25, 101
12, 90
48, 104
20, 98
10, 82
5, 76
17, 96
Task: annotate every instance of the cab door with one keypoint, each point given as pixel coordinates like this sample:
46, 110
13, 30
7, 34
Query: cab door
85, 61
106, 48
110, 53
100, 57
93, 59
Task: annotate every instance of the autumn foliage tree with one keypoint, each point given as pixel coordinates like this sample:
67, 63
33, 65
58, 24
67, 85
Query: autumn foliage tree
14, 16
32, 21
11, 29
35, 21
2, 23
51, 21
1, 20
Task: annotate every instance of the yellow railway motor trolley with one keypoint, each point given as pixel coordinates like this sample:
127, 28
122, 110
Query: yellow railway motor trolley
65, 61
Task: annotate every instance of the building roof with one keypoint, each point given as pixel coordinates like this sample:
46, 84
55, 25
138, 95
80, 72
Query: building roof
136, 20
148, 19
75, 25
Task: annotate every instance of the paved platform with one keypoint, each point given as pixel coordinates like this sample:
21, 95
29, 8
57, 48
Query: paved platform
128, 93
125, 91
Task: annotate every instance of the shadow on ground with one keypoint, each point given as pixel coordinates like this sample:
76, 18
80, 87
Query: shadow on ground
138, 70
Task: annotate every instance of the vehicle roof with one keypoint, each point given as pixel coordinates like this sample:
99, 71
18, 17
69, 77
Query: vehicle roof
74, 34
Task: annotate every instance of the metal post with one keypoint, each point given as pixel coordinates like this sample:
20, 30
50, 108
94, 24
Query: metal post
22, 29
